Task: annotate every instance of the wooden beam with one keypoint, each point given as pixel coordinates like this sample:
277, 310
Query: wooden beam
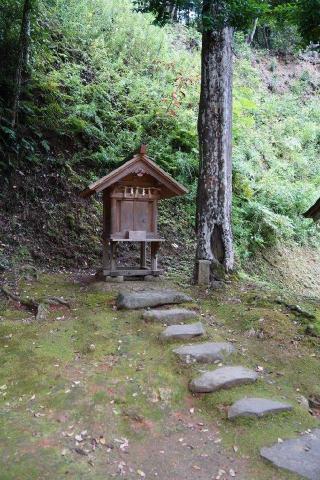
154, 255
127, 272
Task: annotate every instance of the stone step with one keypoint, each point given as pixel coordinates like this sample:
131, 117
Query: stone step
222, 378
182, 332
170, 317
152, 298
256, 407
208, 352
299, 455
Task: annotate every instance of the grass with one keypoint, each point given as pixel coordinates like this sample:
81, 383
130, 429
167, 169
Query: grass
128, 382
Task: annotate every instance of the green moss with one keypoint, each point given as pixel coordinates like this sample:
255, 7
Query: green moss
130, 380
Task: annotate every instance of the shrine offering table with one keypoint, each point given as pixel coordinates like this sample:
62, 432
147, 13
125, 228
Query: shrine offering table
111, 269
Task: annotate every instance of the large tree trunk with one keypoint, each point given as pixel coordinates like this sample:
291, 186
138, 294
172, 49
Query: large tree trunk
215, 138
22, 60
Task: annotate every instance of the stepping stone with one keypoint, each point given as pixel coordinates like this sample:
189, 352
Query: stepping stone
204, 352
152, 298
256, 407
299, 455
182, 332
222, 378
171, 316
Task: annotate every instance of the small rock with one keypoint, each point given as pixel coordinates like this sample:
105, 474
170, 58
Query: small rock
165, 394
303, 401
42, 313
222, 378
182, 332
208, 352
170, 317
256, 407
217, 285
151, 278
299, 455
152, 298
117, 279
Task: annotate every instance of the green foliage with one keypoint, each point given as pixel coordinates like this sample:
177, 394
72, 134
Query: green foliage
285, 24
276, 166
237, 13
309, 19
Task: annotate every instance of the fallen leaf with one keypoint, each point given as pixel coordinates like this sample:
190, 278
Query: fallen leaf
220, 473
121, 469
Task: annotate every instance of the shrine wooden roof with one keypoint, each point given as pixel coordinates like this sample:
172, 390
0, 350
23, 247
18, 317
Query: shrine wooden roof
314, 211
141, 165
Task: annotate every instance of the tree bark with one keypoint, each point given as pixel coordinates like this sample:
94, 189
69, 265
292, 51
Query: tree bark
251, 35
22, 60
214, 232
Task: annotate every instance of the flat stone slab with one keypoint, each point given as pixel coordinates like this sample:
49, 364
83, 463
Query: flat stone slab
152, 298
256, 407
299, 455
204, 352
169, 317
182, 332
222, 378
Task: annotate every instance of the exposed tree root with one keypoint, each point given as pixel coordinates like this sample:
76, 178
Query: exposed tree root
38, 308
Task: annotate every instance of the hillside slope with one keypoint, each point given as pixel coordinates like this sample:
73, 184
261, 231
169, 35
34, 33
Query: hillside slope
97, 90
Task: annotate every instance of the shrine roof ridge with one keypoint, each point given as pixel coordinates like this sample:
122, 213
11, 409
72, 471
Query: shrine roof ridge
140, 161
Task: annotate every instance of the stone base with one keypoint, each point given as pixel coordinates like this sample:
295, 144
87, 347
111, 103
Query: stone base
118, 279
203, 272
151, 278
125, 274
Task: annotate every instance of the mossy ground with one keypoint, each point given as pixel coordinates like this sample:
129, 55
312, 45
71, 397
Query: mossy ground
54, 384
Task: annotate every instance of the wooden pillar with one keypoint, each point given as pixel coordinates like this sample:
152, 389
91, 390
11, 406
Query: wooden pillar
114, 226
154, 255
143, 256
105, 255
113, 260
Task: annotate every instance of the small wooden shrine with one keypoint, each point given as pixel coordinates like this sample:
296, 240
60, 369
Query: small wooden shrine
130, 208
